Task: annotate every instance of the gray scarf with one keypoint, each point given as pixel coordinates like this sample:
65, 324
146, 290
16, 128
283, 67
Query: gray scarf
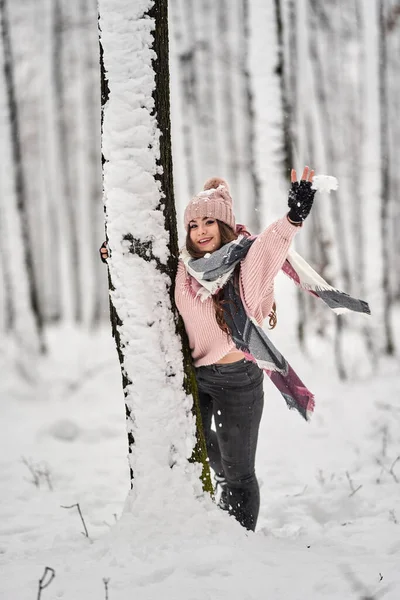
216, 271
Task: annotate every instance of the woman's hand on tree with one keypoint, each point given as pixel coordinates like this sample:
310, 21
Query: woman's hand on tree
301, 196
103, 252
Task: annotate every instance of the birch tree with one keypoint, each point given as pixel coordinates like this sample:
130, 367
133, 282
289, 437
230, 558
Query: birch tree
28, 319
393, 35
217, 100
67, 220
142, 234
385, 179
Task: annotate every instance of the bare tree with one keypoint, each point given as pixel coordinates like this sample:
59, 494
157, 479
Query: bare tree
186, 55
226, 60
385, 180
7, 301
91, 151
68, 220
393, 28
250, 181
19, 180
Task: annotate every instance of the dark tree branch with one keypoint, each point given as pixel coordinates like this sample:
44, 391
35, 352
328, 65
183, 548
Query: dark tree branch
81, 516
48, 571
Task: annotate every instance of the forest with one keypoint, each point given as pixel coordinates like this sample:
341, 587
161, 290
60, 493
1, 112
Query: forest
113, 114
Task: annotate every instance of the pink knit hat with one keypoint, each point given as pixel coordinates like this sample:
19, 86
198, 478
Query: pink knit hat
215, 201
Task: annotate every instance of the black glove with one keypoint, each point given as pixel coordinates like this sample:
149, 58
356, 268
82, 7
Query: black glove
301, 198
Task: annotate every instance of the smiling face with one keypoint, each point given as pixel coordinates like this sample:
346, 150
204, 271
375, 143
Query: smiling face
204, 234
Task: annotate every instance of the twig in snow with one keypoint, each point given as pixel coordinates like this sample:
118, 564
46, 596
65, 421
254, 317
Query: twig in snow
389, 471
115, 520
38, 472
359, 588
392, 517
42, 583
320, 477
74, 386
33, 471
45, 473
378, 479
392, 467
105, 581
300, 493
80, 514
384, 440
353, 489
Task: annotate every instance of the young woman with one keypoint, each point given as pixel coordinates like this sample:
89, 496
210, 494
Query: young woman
224, 291
230, 382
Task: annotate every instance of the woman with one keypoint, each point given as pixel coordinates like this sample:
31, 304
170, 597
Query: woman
222, 314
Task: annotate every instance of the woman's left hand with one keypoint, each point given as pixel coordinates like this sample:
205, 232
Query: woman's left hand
301, 196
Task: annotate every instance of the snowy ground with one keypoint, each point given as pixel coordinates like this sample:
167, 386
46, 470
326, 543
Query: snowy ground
315, 538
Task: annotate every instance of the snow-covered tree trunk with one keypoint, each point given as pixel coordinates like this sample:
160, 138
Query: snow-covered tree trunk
142, 235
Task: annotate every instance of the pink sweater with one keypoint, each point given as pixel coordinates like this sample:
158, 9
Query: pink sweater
258, 270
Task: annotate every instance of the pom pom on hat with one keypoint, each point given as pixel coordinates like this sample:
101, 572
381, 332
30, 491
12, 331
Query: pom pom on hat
214, 183
214, 201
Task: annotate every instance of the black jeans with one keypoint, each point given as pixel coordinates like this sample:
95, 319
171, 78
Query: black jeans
233, 394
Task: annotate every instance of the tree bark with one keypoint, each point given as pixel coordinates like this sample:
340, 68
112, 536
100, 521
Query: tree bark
249, 169
20, 186
385, 181
7, 300
287, 115
91, 114
69, 227
319, 21
230, 143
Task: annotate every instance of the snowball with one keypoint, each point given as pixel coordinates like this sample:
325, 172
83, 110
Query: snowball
324, 183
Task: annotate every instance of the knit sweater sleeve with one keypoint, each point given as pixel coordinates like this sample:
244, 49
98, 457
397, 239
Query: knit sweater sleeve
261, 265
179, 284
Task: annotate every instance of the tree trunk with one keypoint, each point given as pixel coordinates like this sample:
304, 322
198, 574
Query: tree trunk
7, 301
319, 21
91, 147
393, 33
145, 227
185, 56
68, 220
20, 187
252, 186
287, 120
385, 181
225, 60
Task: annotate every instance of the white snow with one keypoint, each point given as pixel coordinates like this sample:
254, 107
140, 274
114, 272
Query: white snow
330, 515
315, 539
324, 183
